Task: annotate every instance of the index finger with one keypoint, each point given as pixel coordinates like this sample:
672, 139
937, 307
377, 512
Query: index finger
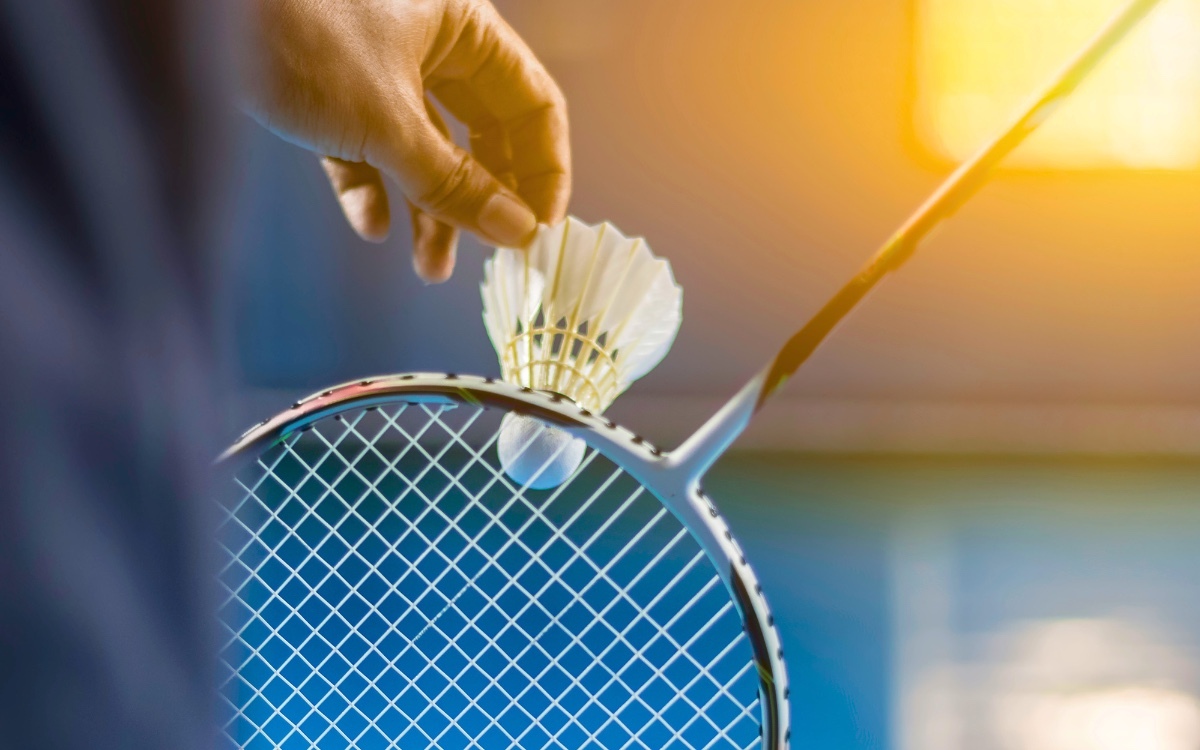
489, 72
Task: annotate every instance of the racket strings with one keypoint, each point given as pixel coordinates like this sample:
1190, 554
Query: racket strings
389, 587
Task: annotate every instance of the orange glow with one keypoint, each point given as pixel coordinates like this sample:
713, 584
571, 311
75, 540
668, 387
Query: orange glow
978, 60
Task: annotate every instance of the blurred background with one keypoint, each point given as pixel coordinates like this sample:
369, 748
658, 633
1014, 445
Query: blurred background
975, 509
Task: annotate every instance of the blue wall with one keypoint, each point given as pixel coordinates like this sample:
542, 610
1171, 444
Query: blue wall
1022, 540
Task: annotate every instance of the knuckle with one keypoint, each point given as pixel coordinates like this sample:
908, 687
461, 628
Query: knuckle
454, 189
468, 13
556, 98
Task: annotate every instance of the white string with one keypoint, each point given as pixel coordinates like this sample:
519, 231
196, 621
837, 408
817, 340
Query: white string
416, 597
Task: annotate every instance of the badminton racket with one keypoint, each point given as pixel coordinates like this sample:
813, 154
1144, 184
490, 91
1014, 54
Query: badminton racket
388, 586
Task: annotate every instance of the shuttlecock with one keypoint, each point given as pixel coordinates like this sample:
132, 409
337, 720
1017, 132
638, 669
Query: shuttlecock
584, 312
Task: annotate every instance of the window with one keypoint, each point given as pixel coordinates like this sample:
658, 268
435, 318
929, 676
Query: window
979, 60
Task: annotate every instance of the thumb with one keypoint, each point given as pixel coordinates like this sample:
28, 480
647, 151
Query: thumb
445, 182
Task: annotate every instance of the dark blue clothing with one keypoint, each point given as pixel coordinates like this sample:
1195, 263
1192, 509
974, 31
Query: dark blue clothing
107, 629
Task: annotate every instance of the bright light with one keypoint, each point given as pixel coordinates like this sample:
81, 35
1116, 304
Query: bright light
1126, 718
978, 61
1102, 684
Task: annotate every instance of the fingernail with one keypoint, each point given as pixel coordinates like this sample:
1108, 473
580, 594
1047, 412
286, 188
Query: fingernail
506, 221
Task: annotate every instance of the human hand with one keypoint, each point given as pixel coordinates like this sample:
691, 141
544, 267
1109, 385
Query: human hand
349, 80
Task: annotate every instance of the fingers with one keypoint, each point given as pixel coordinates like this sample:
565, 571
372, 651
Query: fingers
434, 246
360, 191
543, 179
521, 170
490, 79
489, 140
363, 198
490, 146
434, 242
445, 182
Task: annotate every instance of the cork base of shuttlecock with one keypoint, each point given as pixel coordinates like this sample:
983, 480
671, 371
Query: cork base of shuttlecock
536, 455
559, 360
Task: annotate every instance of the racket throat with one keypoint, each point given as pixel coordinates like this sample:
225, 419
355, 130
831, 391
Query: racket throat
700, 451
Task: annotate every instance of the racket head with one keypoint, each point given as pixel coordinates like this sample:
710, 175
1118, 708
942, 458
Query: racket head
649, 683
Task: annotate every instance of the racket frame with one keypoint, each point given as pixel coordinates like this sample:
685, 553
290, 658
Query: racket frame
674, 483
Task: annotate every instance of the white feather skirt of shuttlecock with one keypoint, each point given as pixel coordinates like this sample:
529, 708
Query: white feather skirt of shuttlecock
583, 312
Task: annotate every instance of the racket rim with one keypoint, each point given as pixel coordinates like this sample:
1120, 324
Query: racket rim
678, 491
475, 390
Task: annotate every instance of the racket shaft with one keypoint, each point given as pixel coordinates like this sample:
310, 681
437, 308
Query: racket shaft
708, 443
719, 432
956, 190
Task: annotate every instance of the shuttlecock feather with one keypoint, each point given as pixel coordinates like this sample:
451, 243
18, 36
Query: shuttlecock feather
584, 312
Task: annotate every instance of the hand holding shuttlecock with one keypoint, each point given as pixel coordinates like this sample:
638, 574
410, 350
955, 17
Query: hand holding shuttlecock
583, 313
